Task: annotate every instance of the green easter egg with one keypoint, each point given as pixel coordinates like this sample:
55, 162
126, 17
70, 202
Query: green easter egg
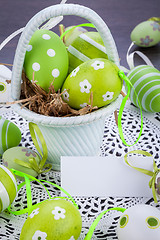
10, 135
72, 34
8, 187
146, 34
99, 76
53, 219
86, 46
23, 154
146, 82
47, 57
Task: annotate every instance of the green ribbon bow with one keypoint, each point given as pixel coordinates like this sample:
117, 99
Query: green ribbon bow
145, 171
32, 164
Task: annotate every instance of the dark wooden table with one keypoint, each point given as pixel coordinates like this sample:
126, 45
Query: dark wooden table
121, 17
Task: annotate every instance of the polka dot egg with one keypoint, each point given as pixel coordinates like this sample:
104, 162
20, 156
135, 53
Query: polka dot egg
146, 81
8, 187
139, 222
53, 219
98, 76
47, 57
10, 135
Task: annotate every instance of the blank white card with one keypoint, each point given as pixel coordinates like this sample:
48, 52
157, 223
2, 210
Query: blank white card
105, 176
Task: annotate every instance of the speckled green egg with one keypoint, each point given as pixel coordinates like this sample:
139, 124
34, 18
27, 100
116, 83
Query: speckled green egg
97, 76
53, 219
146, 82
21, 153
146, 34
8, 187
47, 57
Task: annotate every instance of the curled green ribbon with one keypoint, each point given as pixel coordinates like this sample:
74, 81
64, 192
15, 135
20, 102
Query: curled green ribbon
129, 84
28, 178
96, 221
156, 19
32, 164
145, 171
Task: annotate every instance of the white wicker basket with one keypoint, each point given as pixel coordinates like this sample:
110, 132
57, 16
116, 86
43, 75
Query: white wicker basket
66, 136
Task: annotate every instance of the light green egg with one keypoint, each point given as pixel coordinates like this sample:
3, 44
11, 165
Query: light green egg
10, 135
47, 57
8, 187
97, 76
21, 153
146, 82
146, 34
72, 34
53, 219
86, 46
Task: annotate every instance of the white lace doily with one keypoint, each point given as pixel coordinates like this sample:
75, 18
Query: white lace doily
90, 207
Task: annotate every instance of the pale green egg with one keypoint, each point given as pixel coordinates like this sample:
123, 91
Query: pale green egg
53, 219
21, 153
97, 77
47, 57
146, 34
8, 187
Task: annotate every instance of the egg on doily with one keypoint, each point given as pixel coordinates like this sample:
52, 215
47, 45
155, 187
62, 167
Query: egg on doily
53, 219
98, 77
8, 187
21, 153
146, 82
139, 222
146, 34
10, 135
47, 57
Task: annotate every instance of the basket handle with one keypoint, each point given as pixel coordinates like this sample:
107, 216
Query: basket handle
46, 14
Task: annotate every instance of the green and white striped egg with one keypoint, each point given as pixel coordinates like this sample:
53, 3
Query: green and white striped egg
10, 135
8, 187
146, 82
86, 46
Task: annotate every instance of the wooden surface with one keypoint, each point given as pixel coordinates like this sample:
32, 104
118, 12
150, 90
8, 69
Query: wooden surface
121, 16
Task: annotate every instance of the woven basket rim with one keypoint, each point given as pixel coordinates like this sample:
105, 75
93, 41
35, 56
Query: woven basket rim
68, 121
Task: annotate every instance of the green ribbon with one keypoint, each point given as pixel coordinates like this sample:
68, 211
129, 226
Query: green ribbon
145, 171
129, 84
96, 221
156, 19
80, 25
32, 164
28, 178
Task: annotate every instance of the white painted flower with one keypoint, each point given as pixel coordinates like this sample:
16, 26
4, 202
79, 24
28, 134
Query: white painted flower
58, 213
74, 72
85, 86
39, 235
107, 96
83, 105
35, 212
98, 65
72, 238
65, 95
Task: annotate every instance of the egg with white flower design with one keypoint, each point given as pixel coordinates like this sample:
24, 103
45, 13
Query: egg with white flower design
94, 82
47, 58
53, 219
